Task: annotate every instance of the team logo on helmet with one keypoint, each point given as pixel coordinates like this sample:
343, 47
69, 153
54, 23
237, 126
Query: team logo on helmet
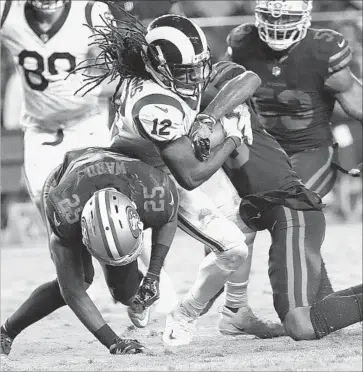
134, 222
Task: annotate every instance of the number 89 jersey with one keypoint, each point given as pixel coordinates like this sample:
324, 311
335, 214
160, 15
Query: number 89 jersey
44, 59
151, 115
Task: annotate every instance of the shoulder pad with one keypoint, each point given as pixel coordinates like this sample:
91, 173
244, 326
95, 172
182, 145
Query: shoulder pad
159, 118
239, 34
332, 47
93, 11
224, 71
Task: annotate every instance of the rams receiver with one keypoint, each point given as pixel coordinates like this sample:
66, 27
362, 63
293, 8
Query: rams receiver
163, 71
48, 39
304, 71
97, 204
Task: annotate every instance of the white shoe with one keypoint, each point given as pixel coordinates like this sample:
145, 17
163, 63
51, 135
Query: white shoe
179, 328
168, 298
244, 321
139, 318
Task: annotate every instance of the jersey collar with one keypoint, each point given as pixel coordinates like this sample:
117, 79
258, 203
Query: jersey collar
33, 24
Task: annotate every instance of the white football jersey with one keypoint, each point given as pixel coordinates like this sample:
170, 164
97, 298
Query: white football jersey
44, 60
150, 114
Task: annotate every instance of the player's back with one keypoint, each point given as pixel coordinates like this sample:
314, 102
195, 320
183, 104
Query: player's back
292, 100
149, 117
44, 60
85, 171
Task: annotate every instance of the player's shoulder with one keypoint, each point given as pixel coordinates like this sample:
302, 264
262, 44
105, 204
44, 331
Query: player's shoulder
242, 35
156, 100
7, 6
91, 11
329, 46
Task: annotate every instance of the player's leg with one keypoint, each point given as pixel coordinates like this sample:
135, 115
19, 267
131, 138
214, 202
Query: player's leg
294, 257
315, 169
336, 311
200, 218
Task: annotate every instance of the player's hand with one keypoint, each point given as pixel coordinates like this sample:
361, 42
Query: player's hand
126, 346
238, 124
200, 134
147, 294
357, 171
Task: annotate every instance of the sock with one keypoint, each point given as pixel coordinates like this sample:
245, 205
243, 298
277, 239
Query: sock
236, 295
337, 311
325, 287
42, 302
209, 281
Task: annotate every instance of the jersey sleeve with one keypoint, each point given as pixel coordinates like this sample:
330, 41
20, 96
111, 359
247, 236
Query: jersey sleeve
93, 12
159, 118
334, 49
237, 40
4, 11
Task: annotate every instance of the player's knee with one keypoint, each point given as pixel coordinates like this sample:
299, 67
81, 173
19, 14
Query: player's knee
298, 325
233, 258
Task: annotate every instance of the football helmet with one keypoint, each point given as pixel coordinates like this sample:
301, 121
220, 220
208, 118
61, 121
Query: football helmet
111, 228
47, 5
177, 55
282, 23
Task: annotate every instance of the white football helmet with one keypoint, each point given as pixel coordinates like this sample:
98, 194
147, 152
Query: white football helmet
47, 6
282, 23
111, 228
177, 55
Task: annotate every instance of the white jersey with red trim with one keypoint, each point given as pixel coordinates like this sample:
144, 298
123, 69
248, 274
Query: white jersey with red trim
151, 115
44, 60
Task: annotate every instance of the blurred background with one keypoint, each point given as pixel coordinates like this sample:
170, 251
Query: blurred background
19, 219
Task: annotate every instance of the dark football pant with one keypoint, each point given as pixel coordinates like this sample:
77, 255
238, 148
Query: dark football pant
315, 168
294, 257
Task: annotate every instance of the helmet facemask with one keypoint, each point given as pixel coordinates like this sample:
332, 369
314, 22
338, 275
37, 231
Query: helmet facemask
281, 24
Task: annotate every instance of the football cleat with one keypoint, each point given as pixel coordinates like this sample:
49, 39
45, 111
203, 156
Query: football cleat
179, 328
140, 318
6, 341
245, 322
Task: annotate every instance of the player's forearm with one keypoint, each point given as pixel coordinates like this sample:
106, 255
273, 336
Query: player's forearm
234, 93
351, 101
188, 170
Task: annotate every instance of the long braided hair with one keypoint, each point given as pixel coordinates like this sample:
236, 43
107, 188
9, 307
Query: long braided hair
121, 54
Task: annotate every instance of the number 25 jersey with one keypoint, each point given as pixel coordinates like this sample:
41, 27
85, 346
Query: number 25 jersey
44, 59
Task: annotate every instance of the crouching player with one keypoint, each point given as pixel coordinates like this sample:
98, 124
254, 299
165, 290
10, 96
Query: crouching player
97, 204
274, 198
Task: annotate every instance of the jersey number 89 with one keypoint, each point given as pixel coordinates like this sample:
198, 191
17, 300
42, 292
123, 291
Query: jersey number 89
35, 78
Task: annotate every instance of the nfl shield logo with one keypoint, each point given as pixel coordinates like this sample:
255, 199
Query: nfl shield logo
276, 71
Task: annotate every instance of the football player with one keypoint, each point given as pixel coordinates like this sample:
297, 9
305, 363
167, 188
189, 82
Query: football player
47, 40
163, 71
304, 71
97, 204
274, 198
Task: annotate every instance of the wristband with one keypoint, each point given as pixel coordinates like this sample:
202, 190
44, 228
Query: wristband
236, 141
106, 335
206, 117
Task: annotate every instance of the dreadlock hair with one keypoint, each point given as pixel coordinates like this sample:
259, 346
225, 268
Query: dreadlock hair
121, 42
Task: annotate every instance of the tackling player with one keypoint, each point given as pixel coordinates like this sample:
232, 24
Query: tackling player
97, 204
274, 198
163, 71
304, 71
48, 39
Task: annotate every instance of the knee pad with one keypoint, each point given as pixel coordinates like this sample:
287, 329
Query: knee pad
233, 258
298, 325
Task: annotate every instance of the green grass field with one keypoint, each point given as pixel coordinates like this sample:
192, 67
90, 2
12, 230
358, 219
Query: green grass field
60, 342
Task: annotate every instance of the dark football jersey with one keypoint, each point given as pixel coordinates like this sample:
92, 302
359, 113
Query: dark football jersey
86, 171
261, 173
292, 100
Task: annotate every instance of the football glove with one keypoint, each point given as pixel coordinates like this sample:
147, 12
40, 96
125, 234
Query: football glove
238, 124
200, 134
147, 294
356, 172
126, 346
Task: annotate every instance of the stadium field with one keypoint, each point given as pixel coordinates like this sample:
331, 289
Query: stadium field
60, 342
